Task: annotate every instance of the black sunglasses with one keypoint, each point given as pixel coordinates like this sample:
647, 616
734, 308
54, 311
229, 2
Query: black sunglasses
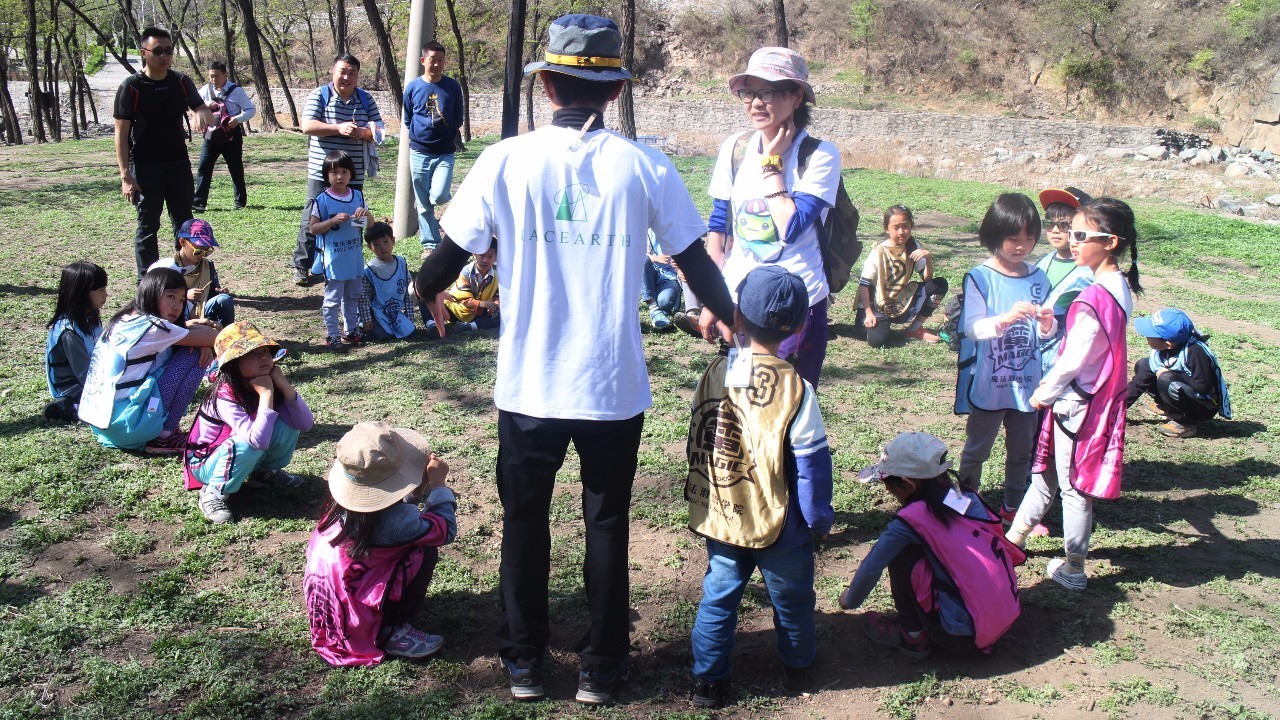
161, 50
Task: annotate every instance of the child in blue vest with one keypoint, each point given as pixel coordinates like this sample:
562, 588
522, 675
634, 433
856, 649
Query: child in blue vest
337, 219
74, 329
1003, 321
951, 571
386, 290
759, 485
1182, 374
1066, 278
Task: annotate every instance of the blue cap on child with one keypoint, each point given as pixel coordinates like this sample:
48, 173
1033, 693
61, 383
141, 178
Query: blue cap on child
771, 298
1169, 324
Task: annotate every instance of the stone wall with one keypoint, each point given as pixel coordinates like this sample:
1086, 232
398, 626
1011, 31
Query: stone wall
685, 119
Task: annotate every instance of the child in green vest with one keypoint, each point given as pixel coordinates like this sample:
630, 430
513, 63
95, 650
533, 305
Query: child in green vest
759, 485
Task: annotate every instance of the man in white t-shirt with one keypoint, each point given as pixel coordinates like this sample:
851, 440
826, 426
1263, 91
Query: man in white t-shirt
571, 205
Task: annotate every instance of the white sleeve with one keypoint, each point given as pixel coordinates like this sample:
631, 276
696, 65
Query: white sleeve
469, 219
721, 187
822, 175
674, 219
808, 433
159, 336
871, 266
974, 320
1085, 340
247, 109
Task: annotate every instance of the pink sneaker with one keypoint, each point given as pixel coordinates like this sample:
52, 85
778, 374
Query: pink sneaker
171, 445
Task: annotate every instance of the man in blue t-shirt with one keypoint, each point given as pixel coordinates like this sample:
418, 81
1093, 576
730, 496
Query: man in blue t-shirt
433, 114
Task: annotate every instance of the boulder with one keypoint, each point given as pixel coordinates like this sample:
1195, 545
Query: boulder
1024, 158
1188, 154
1155, 152
1266, 156
944, 174
1272, 200
946, 163
1225, 202
1080, 161
1236, 169
1204, 156
1116, 153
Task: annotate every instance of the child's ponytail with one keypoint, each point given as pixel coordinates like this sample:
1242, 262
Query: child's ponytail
1115, 217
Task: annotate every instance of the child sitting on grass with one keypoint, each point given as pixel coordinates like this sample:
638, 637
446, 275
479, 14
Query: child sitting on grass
248, 425
206, 297
386, 290
951, 572
886, 294
759, 486
371, 557
473, 299
1182, 375
73, 332
660, 289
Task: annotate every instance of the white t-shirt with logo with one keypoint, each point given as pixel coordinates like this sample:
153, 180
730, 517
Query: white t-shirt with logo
755, 239
572, 219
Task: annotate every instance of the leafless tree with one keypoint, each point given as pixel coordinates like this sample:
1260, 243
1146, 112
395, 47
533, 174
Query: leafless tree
462, 71
259, 66
386, 53
626, 103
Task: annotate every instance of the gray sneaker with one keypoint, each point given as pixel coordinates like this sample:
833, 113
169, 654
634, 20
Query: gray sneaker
1059, 571
214, 506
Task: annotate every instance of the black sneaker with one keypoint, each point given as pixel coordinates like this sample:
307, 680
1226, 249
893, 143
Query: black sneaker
526, 678
197, 208
710, 694
797, 679
301, 277
598, 688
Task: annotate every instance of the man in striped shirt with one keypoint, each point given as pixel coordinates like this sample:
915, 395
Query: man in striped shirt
338, 116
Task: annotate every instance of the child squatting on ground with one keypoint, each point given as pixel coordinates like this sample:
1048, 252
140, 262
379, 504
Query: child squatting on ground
248, 425
1182, 374
753, 410
886, 293
1002, 323
951, 572
1081, 445
205, 295
74, 330
472, 300
337, 218
386, 290
371, 558
146, 367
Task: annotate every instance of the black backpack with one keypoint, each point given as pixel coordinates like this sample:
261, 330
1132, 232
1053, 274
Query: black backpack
950, 331
838, 234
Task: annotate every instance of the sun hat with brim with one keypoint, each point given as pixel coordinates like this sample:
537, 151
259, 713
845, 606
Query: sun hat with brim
776, 64
237, 340
377, 466
1071, 197
584, 46
198, 232
1169, 324
914, 455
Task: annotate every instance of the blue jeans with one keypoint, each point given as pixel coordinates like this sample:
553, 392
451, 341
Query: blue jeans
788, 574
432, 175
220, 309
661, 285
232, 462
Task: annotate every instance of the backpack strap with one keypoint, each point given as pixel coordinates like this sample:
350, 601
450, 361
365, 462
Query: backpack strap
739, 153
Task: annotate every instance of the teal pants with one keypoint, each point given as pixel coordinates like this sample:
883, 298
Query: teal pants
230, 464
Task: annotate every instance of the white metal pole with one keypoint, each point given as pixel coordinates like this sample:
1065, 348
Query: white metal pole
422, 27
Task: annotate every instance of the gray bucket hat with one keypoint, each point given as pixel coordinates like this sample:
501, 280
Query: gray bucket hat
585, 46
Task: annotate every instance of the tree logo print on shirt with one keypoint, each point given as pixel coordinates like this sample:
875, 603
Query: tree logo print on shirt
570, 203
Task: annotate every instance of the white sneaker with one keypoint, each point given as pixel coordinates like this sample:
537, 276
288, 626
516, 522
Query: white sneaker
1060, 572
214, 506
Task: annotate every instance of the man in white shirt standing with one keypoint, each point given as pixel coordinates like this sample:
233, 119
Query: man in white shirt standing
231, 108
571, 205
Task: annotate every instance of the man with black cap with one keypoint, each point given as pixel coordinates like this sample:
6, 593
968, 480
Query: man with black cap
571, 205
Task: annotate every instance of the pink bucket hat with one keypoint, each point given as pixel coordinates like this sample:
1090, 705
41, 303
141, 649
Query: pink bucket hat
776, 64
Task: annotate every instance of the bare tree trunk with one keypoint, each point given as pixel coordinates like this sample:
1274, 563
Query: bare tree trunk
528, 93
8, 114
514, 68
176, 28
130, 25
388, 55
67, 70
311, 47
53, 104
462, 72
104, 39
256, 62
33, 74
626, 103
340, 27
780, 23
228, 40
284, 84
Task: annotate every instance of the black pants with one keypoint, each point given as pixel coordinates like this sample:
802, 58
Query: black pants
398, 612
305, 253
232, 150
913, 617
530, 451
1180, 402
927, 298
163, 185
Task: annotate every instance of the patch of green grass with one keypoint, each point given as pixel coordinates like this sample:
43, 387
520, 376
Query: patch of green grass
1134, 690
903, 701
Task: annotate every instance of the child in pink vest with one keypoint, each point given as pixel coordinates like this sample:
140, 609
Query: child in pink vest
371, 557
951, 572
1081, 445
